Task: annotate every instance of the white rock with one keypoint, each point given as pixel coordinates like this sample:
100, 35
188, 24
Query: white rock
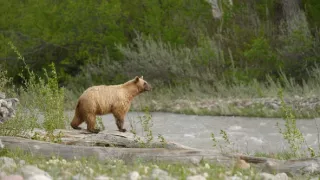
134, 175
266, 176
39, 177
22, 162
7, 163
4, 111
160, 174
196, 177
1, 144
233, 178
205, 175
315, 178
3, 103
2, 95
102, 178
281, 176
193, 170
79, 177
29, 171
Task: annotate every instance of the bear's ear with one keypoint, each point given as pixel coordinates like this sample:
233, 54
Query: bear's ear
136, 79
141, 77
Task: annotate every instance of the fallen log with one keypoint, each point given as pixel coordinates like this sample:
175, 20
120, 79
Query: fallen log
103, 139
182, 155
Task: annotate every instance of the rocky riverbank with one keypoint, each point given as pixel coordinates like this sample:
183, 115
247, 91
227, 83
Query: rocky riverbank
40, 169
7, 107
303, 107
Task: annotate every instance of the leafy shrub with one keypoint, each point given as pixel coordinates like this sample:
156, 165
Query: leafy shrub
38, 97
261, 58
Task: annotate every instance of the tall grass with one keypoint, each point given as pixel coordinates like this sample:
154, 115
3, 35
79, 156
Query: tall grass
199, 74
39, 97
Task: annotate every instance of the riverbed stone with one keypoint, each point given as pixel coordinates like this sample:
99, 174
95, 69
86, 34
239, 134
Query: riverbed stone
160, 174
29, 171
196, 177
233, 178
39, 177
279, 176
102, 178
134, 175
7, 163
79, 177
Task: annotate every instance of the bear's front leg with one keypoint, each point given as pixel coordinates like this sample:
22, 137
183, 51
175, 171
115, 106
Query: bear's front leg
91, 124
119, 121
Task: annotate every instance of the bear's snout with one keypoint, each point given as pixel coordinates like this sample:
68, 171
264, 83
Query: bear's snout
148, 87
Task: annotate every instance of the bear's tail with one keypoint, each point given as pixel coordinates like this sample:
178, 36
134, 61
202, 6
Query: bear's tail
76, 121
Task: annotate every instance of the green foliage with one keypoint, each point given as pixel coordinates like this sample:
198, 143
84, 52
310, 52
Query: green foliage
261, 58
45, 96
162, 140
180, 39
291, 133
146, 137
214, 140
100, 124
72, 34
4, 79
39, 97
312, 8
49, 137
225, 136
20, 125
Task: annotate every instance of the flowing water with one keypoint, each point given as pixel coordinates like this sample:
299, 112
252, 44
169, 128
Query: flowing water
246, 134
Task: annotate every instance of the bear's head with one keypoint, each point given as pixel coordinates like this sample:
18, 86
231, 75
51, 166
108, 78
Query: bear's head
142, 84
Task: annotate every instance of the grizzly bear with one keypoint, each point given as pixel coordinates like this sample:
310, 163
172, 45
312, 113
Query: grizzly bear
104, 99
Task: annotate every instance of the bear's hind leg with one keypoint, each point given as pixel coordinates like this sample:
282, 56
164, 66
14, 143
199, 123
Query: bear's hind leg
76, 121
119, 121
91, 124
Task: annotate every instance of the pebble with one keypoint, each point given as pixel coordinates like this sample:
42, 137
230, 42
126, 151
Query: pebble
134, 175
279, 176
22, 162
160, 174
2, 95
79, 177
39, 177
102, 178
196, 177
7, 163
233, 178
29, 171
315, 178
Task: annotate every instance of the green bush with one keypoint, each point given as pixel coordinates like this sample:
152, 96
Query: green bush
38, 97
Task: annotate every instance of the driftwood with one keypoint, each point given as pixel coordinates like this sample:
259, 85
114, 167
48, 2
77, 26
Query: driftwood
81, 147
105, 139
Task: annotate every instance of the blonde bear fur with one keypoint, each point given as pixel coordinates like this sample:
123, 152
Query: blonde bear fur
103, 99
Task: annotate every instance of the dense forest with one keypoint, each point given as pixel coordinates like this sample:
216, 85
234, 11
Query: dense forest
169, 42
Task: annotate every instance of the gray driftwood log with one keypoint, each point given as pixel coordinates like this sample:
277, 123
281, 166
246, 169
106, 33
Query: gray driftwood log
104, 139
76, 145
